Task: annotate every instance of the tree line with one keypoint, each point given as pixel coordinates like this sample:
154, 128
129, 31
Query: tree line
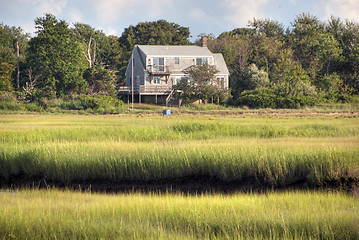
269, 65
274, 66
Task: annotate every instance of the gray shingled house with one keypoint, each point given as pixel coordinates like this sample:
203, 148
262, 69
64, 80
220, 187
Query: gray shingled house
156, 69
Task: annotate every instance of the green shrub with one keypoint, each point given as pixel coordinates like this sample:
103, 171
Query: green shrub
99, 101
99, 104
258, 98
267, 98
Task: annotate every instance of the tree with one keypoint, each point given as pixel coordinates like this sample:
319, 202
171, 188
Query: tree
100, 81
103, 53
202, 84
327, 48
347, 34
257, 78
268, 28
159, 32
306, 30
290, 78
56, 59
13, 45
6, 69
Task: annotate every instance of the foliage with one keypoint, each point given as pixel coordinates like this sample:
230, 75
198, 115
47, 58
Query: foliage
311, 58
202, 85
100, 81
6, 69
9, 36
269, 98
290, 78
300, 61
98, 104
55, 57
104, 51
158, 32
252, 78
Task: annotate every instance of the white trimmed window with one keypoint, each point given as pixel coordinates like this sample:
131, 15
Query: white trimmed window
177, 60
200, 61
220, 81
158, 64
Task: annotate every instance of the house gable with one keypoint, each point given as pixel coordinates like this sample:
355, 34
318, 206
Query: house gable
158, 68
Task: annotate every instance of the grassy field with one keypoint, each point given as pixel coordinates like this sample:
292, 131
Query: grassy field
53, 214
188, 163
270, 151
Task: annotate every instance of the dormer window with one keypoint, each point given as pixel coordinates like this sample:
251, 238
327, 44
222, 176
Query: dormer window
200, 61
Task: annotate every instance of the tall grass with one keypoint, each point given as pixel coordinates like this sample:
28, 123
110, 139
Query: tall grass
272, 151
227, 161
27, 129
53, 214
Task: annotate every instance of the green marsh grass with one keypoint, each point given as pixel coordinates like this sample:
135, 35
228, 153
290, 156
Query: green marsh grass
273, 150
54, 214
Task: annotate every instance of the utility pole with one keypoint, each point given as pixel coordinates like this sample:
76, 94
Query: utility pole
18, 64
132, 80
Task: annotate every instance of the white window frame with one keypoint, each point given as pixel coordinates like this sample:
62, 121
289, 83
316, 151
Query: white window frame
201, 61
157, 66
220, 81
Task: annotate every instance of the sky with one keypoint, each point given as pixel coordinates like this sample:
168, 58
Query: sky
201, 16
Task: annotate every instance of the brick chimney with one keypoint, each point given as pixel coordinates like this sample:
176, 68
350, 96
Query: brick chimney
204, 41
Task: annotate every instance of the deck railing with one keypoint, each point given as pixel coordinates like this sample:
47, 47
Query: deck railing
156, 89
160, 89
158, 69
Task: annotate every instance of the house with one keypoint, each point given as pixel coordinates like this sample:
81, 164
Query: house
156, 69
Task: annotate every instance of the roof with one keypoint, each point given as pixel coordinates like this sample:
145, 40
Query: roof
220, 63
160, 50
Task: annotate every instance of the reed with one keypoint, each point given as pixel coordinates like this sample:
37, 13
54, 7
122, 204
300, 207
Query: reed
54, 214
273, 151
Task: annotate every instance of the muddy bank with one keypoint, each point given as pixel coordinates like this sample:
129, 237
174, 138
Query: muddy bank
194, 184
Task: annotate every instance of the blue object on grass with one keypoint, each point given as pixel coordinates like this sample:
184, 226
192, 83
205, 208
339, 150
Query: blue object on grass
166, 113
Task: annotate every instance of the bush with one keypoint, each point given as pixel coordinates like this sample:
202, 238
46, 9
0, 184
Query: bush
267, 98
258, 98
98, 104
9, 101
94, 103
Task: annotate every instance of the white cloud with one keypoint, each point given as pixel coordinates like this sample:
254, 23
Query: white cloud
75, 15
345, 9
111, 10
54, 7
157, 8
200, 16
111, 31
241, 11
